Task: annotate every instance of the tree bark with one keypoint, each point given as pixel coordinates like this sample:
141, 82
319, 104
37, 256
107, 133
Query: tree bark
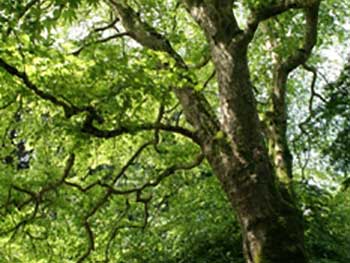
271, 223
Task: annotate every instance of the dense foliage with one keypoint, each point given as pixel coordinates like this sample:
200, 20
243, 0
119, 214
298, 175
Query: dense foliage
85, 107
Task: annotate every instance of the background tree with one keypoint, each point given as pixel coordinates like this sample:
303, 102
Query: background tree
97, 163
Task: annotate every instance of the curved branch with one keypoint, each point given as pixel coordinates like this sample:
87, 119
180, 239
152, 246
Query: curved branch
30, 85
166, 173
91, 239
313, 92
130, 161
90, 129
117, 176
108, 26
37, 197
114, 232
310, 38
143, 33
102, 40
68, 108
272, 10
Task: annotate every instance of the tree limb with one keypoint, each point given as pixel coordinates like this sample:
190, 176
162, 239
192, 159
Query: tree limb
111, 190
90, 129
37, 197
310, 39
196, 107
271, 10
69, 109
166, 173
101, 40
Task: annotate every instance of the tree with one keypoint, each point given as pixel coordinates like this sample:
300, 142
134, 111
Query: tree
124, 75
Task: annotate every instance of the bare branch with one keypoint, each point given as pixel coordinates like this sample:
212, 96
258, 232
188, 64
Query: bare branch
114, 232
69, 109
23, 76
102, 40
37, 197
89, 128
211, 76
88, 229
284, 68
104, 199
130, 161
91, 246
116, 177
166, 173
108, 26
143, 33
145, 202
313, 92
55, 185
81, 188
156, 131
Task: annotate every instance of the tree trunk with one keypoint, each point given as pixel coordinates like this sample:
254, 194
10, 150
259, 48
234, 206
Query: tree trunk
271, 224
271, 227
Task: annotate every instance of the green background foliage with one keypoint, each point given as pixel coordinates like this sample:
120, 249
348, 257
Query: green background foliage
189, 218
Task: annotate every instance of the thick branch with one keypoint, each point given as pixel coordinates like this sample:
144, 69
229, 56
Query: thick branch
30, 85
272, 10
278, 143
195, 105
143, 32
310, 39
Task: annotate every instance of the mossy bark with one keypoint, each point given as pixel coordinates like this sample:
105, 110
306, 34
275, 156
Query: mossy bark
271, 223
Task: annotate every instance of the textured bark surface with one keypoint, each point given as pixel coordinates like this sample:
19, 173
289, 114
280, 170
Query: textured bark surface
257, 187
272, 227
